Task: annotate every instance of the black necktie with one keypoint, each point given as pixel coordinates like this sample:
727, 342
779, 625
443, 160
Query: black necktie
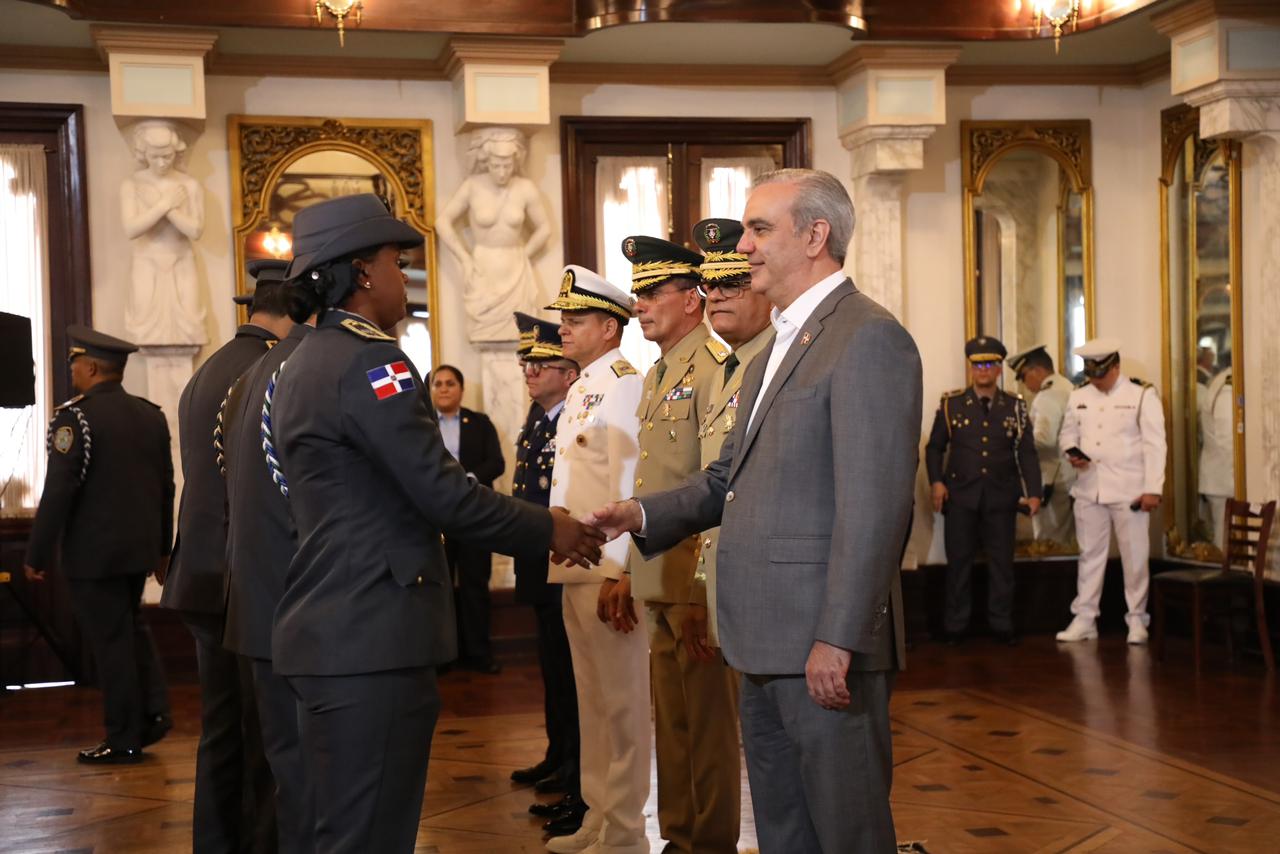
730, 365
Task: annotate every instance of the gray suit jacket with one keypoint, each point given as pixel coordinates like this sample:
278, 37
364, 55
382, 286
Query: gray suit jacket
815, 499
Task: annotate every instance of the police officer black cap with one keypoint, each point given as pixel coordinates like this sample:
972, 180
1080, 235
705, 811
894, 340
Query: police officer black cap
264, 271
984, 348
539, 339
654, 260
718, 240
331, 229
97, 345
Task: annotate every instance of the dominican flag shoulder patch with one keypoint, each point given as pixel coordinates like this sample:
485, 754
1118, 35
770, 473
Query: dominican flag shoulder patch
390, 380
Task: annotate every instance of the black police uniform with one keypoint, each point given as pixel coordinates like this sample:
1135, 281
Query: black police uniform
229, 757
535, 461
108, 500
992, 465
261, 541
367, 610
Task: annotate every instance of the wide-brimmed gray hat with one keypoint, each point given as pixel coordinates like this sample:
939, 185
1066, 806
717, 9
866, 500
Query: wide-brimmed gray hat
337, 227
265, 271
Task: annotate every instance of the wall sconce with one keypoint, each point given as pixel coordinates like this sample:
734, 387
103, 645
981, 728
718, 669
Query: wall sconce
339, 9
1056, 13
277, 243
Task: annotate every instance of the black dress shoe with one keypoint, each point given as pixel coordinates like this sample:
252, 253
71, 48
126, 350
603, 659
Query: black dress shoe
558, 808
105, 754
567, 824
1006, 638
534, 773
560, 780
158, 727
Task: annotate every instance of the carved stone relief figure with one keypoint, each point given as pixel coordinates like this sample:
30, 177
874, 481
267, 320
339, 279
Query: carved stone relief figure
162, 210
501, 206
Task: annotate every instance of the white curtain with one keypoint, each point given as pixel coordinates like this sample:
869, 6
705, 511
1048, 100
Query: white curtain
24, 288
631, 198
726, 182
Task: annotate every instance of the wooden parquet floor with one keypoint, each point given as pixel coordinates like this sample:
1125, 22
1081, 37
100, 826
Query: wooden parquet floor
986, 762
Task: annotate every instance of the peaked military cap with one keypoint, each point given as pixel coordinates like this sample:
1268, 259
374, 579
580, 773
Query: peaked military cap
1100, 355
336, 227
98, 345
583, 290
718, 239
984, 348
539, 339
654, 260
1018, 361
264, 271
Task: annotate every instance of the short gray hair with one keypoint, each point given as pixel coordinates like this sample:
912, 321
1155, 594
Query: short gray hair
821, 197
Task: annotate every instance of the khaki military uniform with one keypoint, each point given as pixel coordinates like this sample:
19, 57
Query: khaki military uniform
694, 701
719, 417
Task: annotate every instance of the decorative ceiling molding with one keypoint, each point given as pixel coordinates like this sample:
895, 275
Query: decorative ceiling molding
1196, 12
600, 73
868, 55
937, 20
462, 50
175, 40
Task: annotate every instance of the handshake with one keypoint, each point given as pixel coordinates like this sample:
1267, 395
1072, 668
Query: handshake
578, 543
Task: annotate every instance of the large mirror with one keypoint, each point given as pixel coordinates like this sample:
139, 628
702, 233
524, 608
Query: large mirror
280, 165
1200, 272
1028, 274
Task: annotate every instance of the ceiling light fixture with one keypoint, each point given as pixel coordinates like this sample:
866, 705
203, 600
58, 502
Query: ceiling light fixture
1057, 14
339, 9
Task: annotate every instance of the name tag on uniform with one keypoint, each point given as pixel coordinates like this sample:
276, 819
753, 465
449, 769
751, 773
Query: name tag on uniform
390, 380
683, 392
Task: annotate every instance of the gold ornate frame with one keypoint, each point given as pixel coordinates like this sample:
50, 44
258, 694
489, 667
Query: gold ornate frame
263, 147
982, 144
1177, 125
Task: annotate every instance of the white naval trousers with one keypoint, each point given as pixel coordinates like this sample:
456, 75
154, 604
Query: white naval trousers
1133, 536
612, 674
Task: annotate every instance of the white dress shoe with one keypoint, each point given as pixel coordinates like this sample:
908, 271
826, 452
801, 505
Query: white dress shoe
1137, 634
574, 843
1079, 630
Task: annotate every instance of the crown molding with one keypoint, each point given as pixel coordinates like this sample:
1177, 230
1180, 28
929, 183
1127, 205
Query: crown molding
655, 74
866, 56
464, 50
1197, 12
351, 68
163, 40
1122, 74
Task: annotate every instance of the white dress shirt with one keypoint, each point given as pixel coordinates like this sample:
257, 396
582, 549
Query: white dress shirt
787, 324
451, 431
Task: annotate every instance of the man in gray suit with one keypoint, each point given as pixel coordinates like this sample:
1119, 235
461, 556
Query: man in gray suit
813, 490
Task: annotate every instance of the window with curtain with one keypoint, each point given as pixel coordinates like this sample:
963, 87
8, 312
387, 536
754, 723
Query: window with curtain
24, 286
726, 181
631, 197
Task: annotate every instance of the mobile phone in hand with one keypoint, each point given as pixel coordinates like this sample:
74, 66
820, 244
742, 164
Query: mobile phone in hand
1077, 454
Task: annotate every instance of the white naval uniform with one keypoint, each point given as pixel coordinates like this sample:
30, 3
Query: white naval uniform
596, 454
1055, 520
1122, 431
1217, 481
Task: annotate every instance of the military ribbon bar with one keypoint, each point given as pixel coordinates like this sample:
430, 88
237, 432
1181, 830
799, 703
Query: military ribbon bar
389, 380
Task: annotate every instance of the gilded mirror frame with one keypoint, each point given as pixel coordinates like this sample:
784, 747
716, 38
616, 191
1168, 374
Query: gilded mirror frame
1177, 125
263, 147
982, 144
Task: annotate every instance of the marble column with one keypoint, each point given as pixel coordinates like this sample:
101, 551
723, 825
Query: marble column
506, 402
881, 156
1249, 110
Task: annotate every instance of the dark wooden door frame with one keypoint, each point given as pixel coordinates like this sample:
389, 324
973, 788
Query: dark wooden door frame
578, 134
60, 129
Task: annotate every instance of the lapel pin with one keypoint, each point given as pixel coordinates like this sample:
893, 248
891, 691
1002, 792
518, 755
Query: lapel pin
806, 338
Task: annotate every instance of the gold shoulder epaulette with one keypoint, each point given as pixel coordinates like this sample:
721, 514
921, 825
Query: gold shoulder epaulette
1139, 382
718, 351
946, 395
72, 402
364, 330
622, 367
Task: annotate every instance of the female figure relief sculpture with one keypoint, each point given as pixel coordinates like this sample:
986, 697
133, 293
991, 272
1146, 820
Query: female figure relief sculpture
162, 209
500, 203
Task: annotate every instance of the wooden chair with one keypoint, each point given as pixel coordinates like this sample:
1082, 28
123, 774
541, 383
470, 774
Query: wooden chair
1242, 572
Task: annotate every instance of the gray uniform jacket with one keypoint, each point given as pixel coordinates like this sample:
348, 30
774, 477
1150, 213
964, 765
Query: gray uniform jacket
372, 489
814, 500
261, 538
196, 569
